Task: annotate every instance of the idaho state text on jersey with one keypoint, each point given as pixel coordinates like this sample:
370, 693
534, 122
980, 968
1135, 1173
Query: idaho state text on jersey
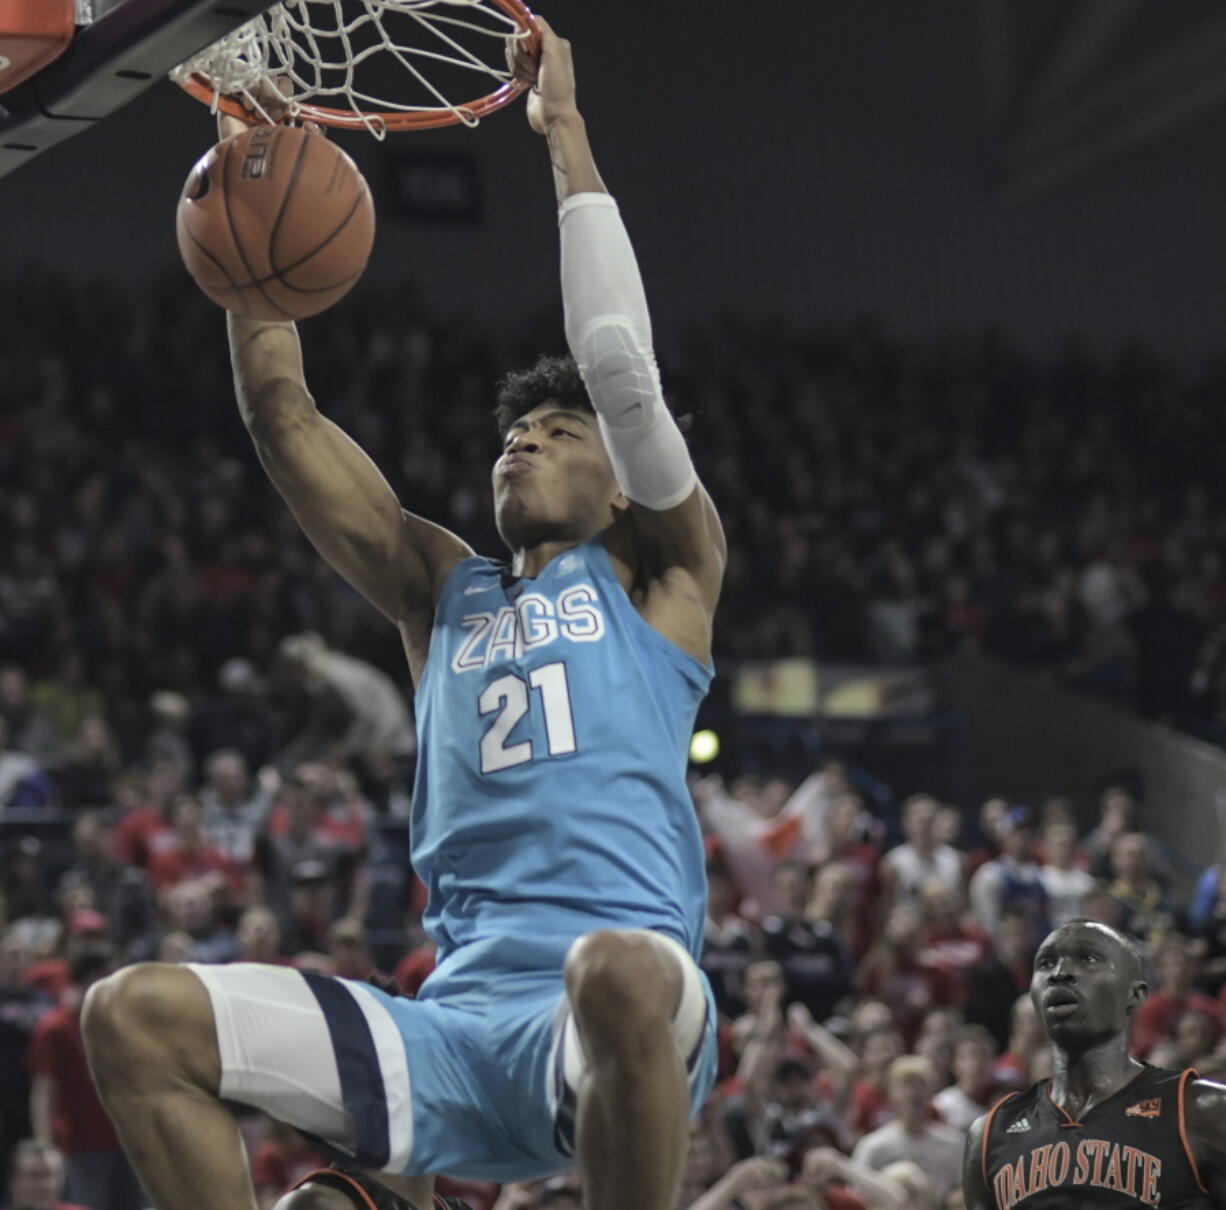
533, 621
1093, 1162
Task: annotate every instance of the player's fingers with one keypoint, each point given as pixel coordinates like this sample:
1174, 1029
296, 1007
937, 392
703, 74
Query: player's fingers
228, 127
512, 58
521, 63
268, 100
551, 41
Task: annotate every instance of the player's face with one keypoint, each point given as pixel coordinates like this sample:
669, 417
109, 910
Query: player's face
1085, 985
553, 481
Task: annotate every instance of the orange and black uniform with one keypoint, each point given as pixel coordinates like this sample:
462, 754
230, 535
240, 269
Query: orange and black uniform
367, 1194
1129, 1150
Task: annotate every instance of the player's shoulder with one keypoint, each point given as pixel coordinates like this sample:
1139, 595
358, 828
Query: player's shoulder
1202, 1127
466, 569
440, 549
1004, 1108
1205, 1100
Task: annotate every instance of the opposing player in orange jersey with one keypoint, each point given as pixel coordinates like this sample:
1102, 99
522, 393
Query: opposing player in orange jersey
1106, 1130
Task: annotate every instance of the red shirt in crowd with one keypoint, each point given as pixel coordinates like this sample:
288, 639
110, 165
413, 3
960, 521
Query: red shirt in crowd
1009, 1071
414, 968
275, 1166
956, 952
170, 865
861, 860
840, 1197
343, 824
79, 1124
909, 989
480, 1195
134, 835
869, 1107
56, 1206
1156, 1017
47, 975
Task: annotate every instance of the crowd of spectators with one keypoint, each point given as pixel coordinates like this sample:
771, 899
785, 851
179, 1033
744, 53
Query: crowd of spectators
871, 982
206, 755
882, 502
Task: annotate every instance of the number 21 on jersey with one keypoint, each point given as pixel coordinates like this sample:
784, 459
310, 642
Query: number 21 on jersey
509, 698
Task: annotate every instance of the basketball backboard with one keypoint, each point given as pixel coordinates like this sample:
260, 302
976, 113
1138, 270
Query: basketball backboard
66, 63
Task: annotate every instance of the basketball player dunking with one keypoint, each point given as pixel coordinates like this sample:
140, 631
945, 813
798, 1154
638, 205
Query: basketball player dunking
567, 1019
1105, 1130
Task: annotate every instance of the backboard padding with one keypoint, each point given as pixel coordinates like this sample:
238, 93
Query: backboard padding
108, 64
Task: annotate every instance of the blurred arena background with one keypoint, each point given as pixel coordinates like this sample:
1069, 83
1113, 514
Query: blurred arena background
944, 289
1048, 166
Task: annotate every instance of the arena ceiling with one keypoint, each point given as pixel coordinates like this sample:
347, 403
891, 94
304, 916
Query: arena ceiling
1070, 87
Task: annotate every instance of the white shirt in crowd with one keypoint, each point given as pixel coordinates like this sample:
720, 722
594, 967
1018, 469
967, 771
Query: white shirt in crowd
957, 1108
381, 718
938, 1151
1066, 891
912, 869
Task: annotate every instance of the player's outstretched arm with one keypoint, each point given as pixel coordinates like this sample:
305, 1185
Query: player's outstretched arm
344, 505
397, 560
1206, 1122
608, 329
974, 1188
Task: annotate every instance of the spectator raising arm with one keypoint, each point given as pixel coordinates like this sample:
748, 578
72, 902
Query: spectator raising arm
41, 1093
879, 1190
347, 509
838, 1058
345, 506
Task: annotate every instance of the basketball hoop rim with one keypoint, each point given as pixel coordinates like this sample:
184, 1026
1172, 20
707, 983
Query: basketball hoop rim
200, 87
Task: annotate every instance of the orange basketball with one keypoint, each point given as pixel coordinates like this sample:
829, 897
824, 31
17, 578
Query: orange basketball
275, 223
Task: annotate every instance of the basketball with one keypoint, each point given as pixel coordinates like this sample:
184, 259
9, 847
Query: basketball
275, 223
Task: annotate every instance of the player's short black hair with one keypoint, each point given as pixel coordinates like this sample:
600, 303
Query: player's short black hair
550, 380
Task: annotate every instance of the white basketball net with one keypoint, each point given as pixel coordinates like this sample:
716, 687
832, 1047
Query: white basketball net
317, 50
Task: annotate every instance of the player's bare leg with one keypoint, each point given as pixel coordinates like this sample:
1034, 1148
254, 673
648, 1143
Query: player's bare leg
634, 1108
152, 1044
152, 1049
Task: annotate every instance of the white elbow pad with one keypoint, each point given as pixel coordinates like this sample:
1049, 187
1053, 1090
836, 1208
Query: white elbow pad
649, 455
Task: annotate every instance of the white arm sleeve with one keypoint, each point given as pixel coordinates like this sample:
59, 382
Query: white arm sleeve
609, 334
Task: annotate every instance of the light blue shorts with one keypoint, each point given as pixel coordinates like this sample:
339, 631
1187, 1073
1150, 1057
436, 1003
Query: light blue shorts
478, 1078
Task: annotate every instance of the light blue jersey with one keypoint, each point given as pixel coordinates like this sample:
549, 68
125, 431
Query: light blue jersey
550, 800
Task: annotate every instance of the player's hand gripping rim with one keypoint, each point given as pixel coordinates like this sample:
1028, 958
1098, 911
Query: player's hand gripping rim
550, 70
273, 105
